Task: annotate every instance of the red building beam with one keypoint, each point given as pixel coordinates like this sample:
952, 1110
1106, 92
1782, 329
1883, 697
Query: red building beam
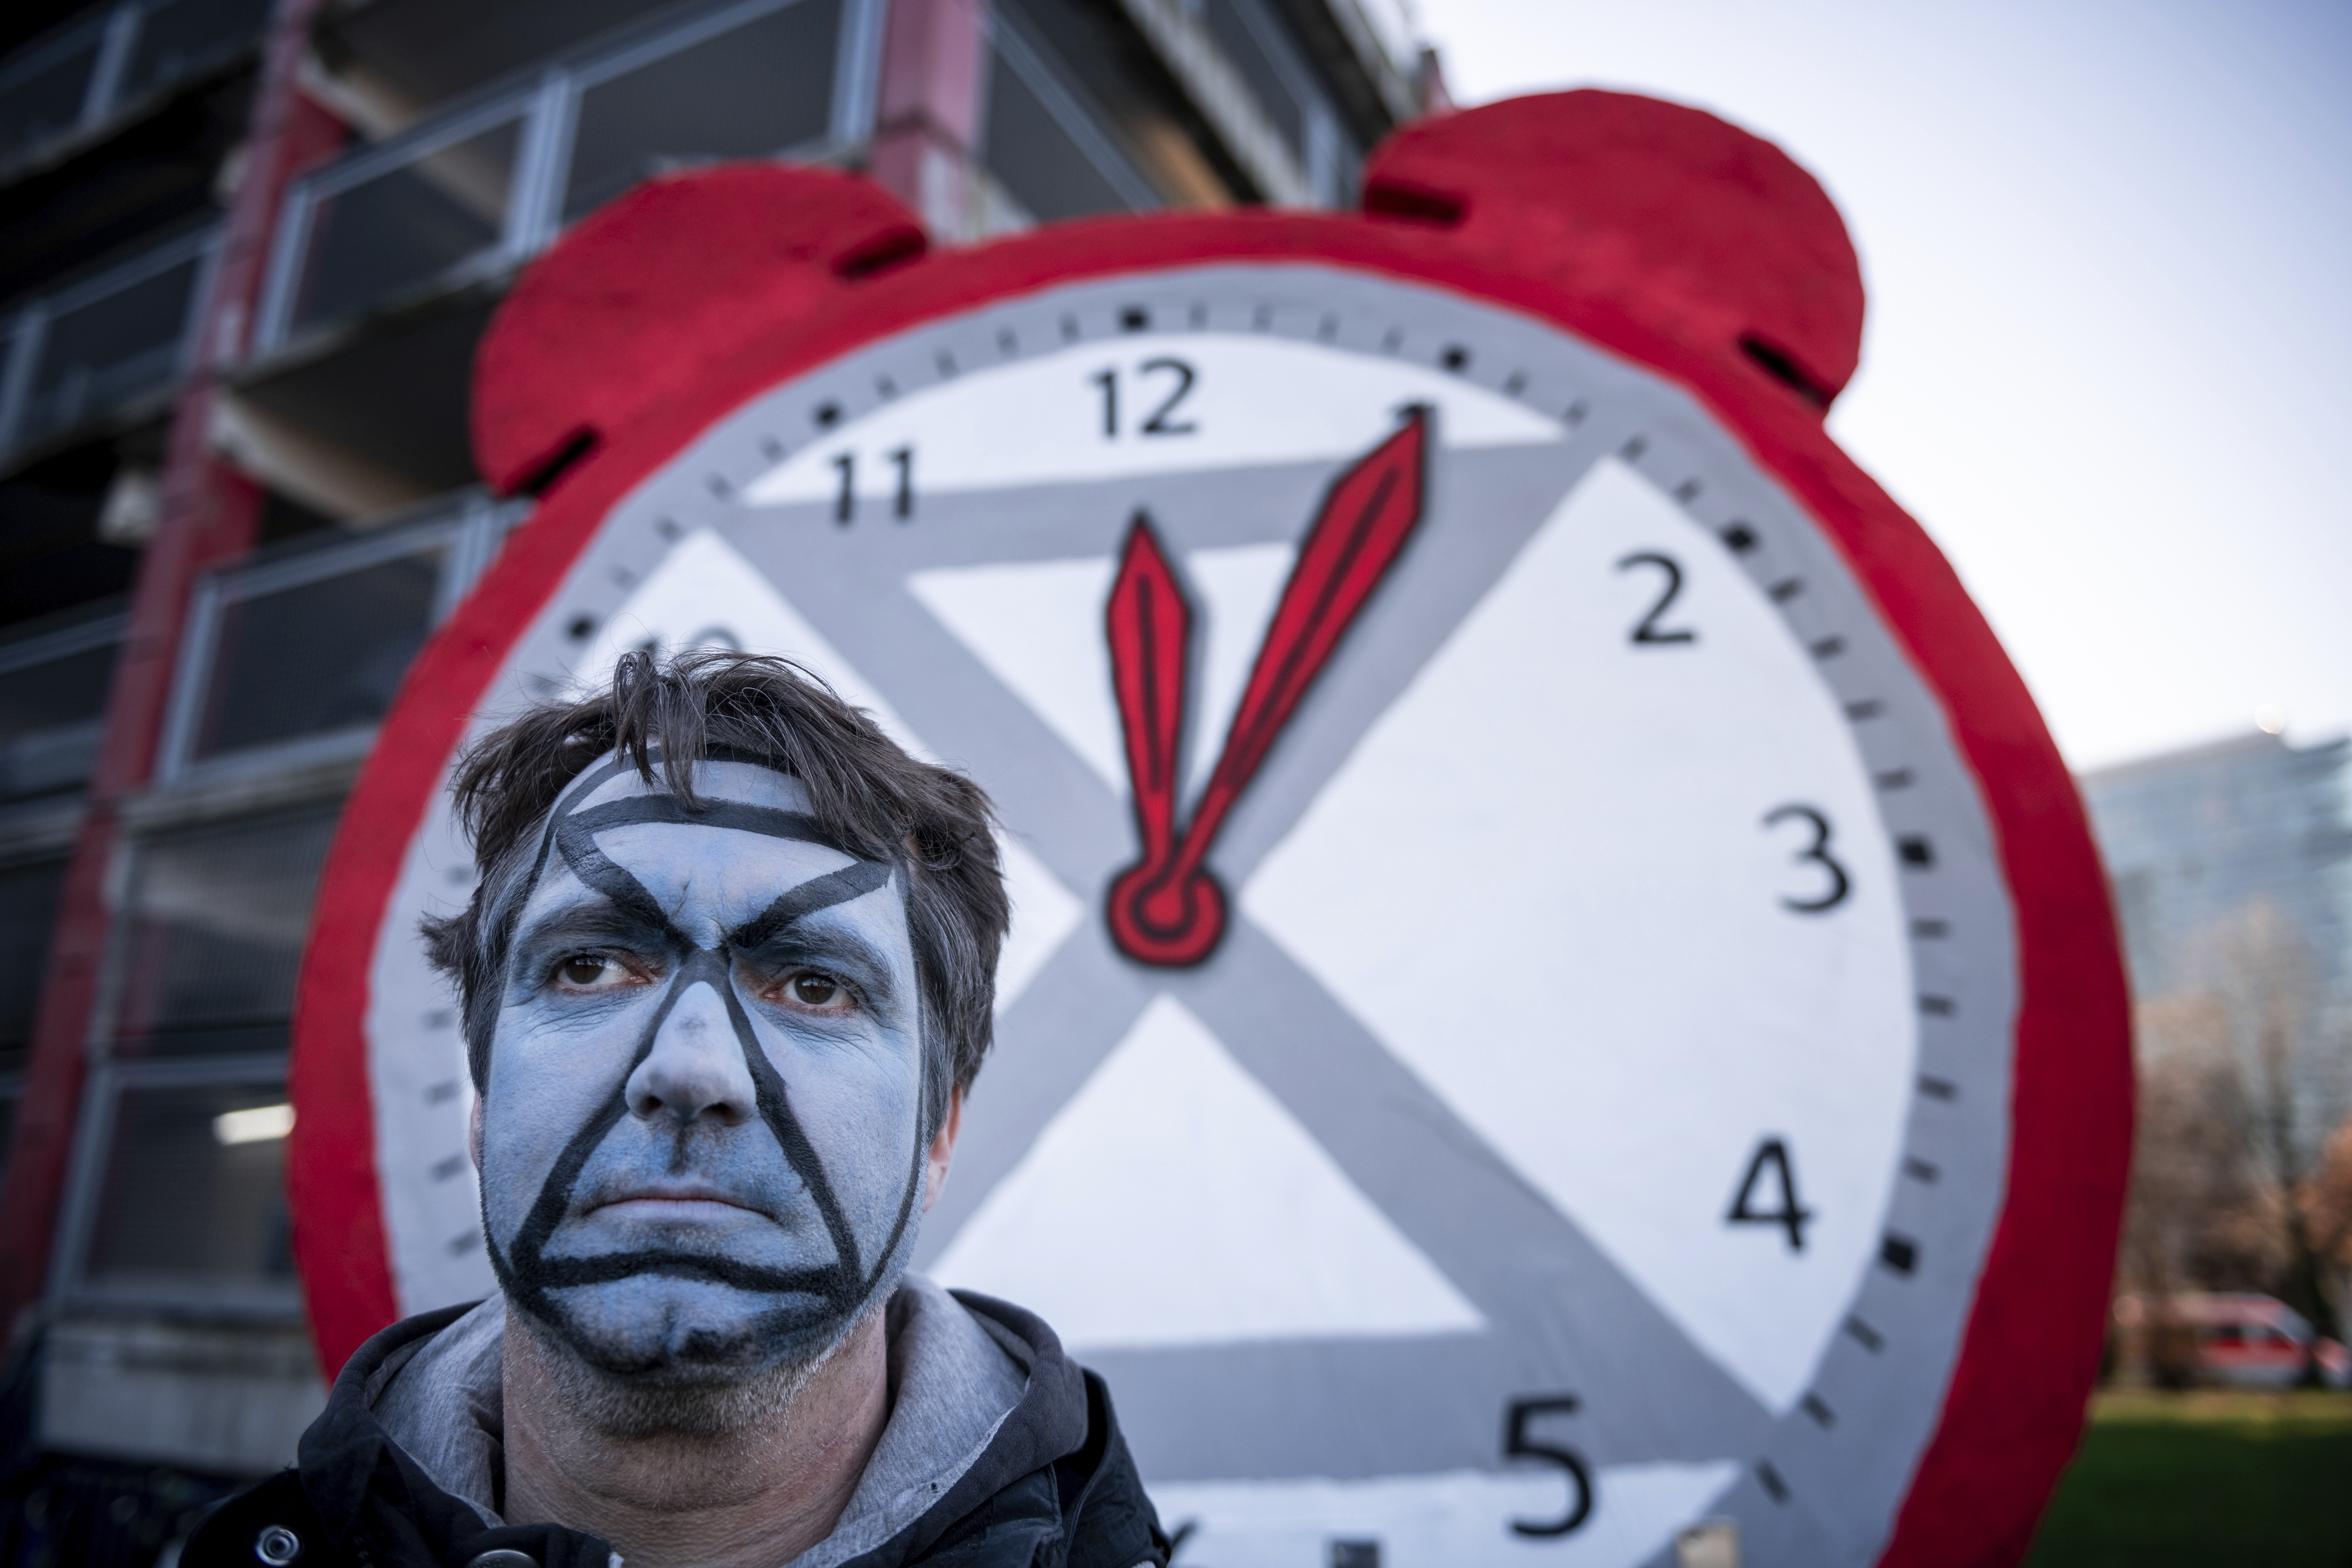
926, 108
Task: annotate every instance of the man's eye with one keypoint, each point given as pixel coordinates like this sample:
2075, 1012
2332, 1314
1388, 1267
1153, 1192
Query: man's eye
585, 969
817, 990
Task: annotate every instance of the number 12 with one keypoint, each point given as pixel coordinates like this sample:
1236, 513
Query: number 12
1162, 419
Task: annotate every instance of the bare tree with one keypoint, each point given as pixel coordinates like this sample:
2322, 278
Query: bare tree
2326, 1202
2292, 1065
2196, 1220
2243, 1170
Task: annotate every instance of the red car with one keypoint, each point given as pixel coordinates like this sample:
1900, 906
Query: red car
2241, 1340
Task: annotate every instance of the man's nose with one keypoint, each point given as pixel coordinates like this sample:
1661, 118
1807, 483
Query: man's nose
696, 1068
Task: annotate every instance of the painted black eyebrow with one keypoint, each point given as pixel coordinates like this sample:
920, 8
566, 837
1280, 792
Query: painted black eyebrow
834, 950
589, 918
741, 815
855, 880
596, 916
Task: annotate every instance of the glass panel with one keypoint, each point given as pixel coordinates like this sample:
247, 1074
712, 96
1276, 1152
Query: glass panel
215, 930
29, 909
180, 36
51, 721
1240, 41
192, 1202
45, 100
317, 657
399, 230
107, 351
748, 93
1033, 158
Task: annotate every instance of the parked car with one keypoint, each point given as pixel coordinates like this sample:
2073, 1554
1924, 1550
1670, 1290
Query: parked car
2234, 1339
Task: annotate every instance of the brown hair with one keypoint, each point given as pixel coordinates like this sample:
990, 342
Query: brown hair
872, 799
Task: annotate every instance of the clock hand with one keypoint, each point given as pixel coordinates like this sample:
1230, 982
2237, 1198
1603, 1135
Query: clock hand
1167, 909
1150, 629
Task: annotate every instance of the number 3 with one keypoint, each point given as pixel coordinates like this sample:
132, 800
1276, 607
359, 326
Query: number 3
1818, 851
1517, 1444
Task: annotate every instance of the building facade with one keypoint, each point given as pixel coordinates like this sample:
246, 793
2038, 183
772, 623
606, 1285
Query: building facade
2231, 865
246, 250
2195, 838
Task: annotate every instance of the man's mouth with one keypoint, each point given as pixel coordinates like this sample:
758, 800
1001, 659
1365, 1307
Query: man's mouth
671, 1200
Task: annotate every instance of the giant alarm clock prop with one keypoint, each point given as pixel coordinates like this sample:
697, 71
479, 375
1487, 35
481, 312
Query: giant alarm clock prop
1559, 986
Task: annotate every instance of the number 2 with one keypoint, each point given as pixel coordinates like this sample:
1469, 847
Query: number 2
1517, 1444
1157, 423
1647, 629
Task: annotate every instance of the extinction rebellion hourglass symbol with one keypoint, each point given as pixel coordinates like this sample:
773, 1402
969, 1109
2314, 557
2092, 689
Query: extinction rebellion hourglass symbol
1167, 909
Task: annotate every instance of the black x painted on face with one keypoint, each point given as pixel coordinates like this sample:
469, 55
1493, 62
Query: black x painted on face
742, 989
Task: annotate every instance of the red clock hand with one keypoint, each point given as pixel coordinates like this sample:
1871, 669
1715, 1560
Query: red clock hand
1150, 628
1167, 909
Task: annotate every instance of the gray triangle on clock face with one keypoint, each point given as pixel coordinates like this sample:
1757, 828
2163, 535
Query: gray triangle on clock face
1515, 992
1387, 1286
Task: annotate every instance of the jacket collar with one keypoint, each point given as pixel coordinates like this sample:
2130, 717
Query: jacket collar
351, 1469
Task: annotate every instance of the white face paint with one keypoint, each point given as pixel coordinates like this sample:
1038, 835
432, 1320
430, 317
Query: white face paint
702, 1141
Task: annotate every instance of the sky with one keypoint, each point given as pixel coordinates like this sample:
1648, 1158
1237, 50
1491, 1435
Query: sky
2109, 355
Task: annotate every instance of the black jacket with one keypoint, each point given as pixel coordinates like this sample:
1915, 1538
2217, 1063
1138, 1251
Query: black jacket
1054, 1489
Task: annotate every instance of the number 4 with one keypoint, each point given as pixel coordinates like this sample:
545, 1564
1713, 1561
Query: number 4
1792, 1216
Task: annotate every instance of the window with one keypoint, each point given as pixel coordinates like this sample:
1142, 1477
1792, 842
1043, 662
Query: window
1260, 45
29, 909
405, 227
177, 1192
311, 644
1035, 158
42, 90
750, 92
316, 658
104, 344
462, 197
192, 1203
179, 37
1043, 141
53, 707
213, 935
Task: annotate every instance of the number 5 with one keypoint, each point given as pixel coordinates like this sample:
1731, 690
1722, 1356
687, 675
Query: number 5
1517, 1444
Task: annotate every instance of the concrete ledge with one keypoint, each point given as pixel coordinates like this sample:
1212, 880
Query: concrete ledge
229, 1399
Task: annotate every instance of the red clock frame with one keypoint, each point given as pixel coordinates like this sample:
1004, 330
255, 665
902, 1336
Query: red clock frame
1655, 232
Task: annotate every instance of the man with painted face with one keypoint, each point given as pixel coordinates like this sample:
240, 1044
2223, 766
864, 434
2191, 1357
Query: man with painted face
727, 976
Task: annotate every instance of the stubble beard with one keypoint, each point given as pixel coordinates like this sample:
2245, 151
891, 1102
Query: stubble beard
686, 1399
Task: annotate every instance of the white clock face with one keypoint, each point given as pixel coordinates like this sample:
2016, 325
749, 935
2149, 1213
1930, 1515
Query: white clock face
1590, 1112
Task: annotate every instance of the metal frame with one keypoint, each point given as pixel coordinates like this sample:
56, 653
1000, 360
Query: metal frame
31, 652
857, 71
468, 530
64, 642
109, 1075
299, 219
1058, 90
1321, 131
94, 1141
28, 329
116, 32
36, 57
548, 107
